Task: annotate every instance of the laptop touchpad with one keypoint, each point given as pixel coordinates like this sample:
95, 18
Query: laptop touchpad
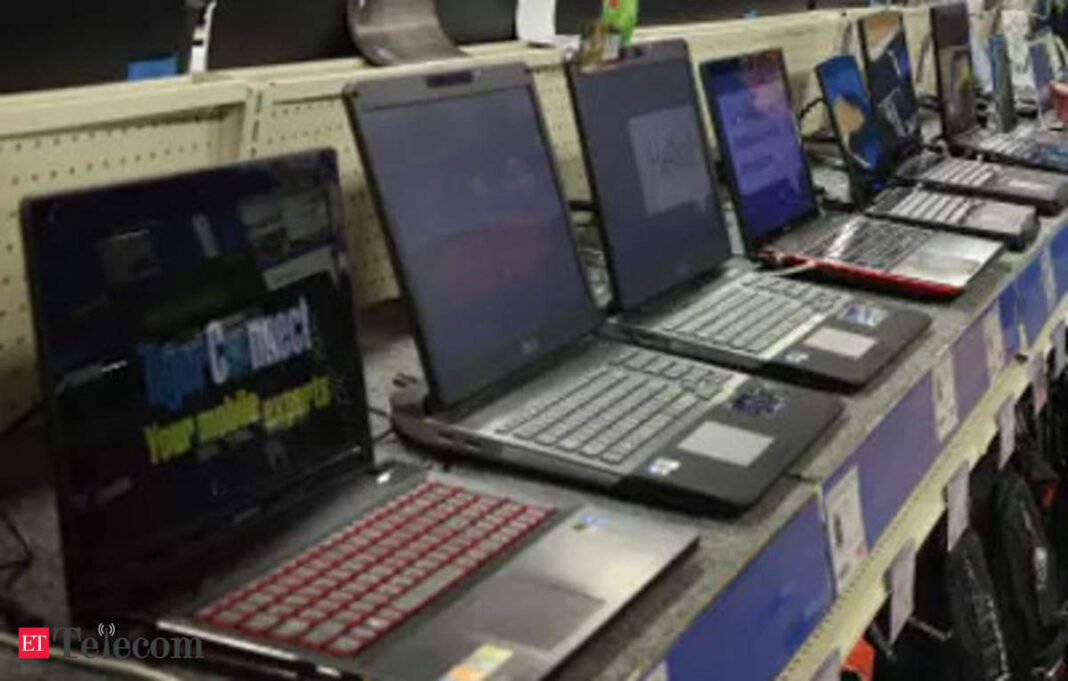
550, 613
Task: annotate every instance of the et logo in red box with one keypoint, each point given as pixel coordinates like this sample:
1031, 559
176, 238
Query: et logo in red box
33, 643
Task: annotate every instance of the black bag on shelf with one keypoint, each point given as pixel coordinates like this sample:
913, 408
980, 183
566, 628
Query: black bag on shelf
978, 637
1024, 568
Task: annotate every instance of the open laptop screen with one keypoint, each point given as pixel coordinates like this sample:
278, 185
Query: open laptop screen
889, 69
852, 119
470, 198
648, 157
1043, 73
198, 351
953, 59
760, 142
1004, 96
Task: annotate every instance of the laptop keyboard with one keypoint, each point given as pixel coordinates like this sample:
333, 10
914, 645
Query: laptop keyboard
349, 590
754, 314
873, 245
932, 207
1008, 145
958, 172
609, 413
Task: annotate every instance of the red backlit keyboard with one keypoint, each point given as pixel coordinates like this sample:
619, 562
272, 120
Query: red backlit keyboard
346, 592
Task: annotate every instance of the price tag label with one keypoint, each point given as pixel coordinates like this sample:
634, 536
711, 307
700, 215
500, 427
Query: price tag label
831, 669
995, 342
1006, 432
1060, 355
944, 385
1036, 368
845, 528
1049, 280
957, 505
901, 581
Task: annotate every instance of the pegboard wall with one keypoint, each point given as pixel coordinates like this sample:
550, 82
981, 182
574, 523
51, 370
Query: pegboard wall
87, 136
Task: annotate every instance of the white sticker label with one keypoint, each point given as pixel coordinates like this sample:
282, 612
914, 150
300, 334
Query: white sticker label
1039, 389
844, 343
1006, 432
1060, 357
944, 385
659, 673
831, 669
957, 505
845, 528
994, 338
1049, 281
900, 581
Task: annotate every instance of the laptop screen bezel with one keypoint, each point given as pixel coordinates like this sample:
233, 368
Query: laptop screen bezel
366, 97
753, 244
639, 57
179, 559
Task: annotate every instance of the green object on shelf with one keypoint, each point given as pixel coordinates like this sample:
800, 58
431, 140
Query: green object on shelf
621, 15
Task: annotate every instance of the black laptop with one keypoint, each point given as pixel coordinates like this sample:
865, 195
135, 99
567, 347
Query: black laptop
951, 31
257, 32
889, 70
461, 168
868, 163
215, 473
62, 43
778, 209
669, 255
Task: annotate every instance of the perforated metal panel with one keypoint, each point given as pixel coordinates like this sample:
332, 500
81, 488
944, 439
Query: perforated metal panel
58, 160
87, 136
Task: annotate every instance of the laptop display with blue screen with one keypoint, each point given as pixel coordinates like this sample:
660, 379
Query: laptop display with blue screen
890, 77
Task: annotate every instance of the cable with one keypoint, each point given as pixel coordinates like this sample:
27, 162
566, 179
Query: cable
807, 109
105, 666
382, 413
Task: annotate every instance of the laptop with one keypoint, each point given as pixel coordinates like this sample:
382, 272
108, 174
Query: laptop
960, 123
258, 32
101, 42
215, 472
681, 291
461, 168
868, 163
1048, 121
889, 71
777, 207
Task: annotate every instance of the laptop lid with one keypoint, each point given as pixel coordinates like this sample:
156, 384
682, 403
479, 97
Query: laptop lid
255, 32
465, 183
885, 51
953, 65
859, 136
198, 355
761, 146
62, 43
1004, 95
1043, 74
646, 149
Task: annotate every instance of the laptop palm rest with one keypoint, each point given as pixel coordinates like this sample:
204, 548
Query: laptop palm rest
566, 585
